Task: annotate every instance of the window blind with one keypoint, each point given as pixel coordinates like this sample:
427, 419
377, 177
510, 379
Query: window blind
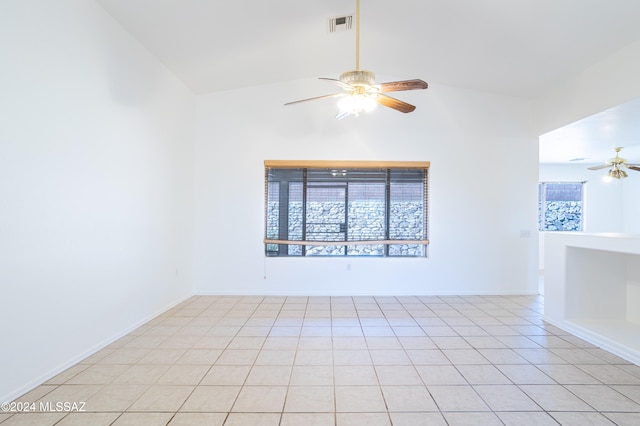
345, 208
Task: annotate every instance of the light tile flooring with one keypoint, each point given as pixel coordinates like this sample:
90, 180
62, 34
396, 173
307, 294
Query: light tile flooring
297, 361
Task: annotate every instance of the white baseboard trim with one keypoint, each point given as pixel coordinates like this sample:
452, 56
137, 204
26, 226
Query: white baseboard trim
599, 340
341, 294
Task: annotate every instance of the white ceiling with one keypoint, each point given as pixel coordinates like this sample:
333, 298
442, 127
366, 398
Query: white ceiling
511, 47
592, 139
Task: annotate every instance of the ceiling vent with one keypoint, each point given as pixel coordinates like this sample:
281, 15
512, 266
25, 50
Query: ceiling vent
340, 23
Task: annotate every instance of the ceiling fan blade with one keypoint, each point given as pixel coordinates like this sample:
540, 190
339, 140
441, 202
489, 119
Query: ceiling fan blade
337, 82
603, 166
334, 95
394, 103
635, 167
397, 86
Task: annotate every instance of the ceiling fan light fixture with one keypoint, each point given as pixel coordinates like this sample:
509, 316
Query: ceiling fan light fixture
617, 173
354, 103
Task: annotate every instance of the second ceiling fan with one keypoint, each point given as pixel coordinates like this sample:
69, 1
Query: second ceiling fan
359, 90
617, 166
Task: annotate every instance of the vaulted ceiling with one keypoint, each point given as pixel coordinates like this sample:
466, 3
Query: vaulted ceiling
511, 47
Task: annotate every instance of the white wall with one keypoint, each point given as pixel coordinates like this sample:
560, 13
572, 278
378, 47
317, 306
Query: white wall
482, 190
631, 206
96, 151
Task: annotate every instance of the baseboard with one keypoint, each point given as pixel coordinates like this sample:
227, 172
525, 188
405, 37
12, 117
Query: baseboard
597, 339
343, 294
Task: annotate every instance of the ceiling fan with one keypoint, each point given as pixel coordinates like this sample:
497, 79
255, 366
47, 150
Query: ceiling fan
361, 93
617, 165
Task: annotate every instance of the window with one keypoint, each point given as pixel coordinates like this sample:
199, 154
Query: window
560, 206
344, 208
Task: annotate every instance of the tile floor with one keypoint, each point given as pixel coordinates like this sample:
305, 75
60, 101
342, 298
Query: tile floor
262, 361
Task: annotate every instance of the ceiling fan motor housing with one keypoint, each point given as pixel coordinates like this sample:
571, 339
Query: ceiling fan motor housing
358, 78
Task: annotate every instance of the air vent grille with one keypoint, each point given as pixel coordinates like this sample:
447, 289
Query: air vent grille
340, 23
